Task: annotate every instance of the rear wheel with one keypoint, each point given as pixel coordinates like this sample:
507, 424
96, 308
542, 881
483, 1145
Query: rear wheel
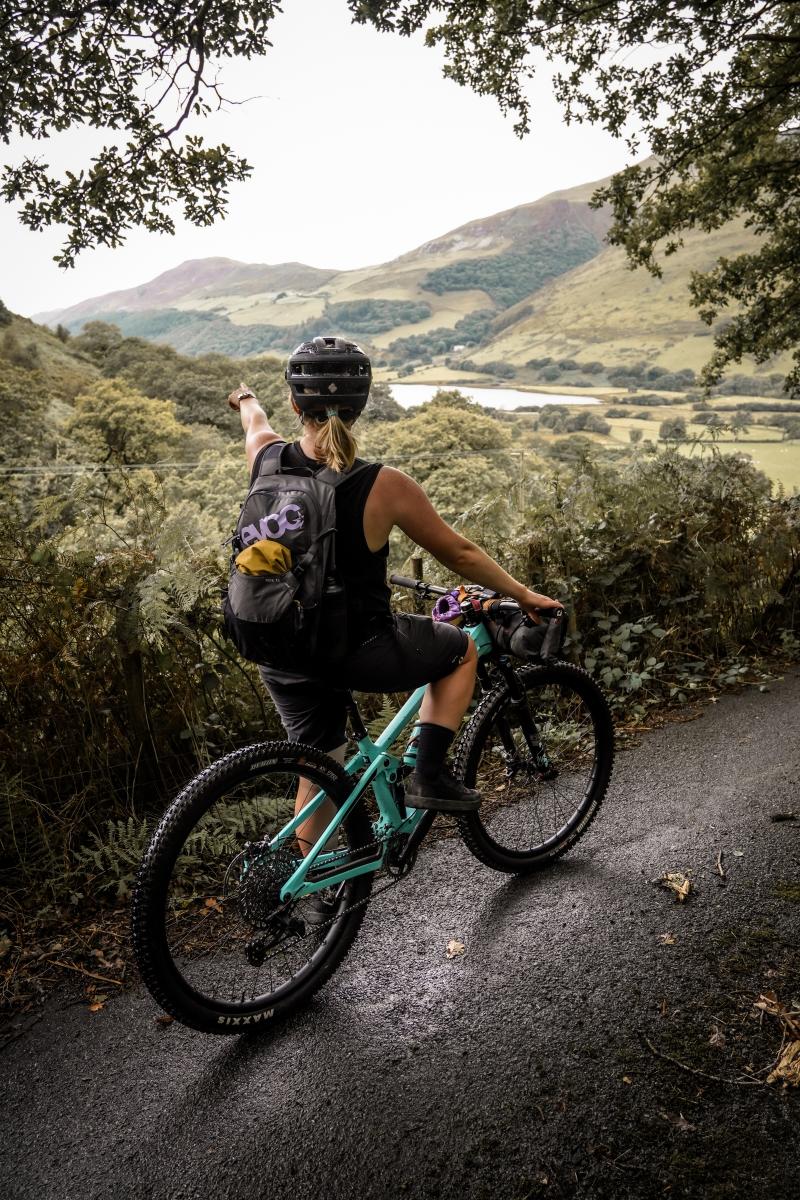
542, 779
215, 944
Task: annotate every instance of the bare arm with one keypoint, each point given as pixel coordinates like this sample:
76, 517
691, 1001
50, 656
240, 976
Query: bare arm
404, 503
258, 431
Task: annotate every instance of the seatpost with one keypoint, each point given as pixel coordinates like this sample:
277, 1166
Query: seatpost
356, 722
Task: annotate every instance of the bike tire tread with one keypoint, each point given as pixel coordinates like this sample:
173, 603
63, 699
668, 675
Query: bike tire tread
471, 826
158, 856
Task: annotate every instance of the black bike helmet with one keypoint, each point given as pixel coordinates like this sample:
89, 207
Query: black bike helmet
329, 372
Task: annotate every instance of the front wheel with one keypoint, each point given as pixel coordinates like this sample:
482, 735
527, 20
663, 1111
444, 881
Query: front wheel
214, 943
542, 763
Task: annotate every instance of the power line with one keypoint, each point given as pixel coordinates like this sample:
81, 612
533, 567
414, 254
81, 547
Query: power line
91, 468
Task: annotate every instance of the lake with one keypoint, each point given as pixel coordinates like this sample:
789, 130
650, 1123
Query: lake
409, 394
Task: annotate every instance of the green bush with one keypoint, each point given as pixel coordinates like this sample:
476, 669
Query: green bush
116, 684
501, 370
673, 430
472, 328
588, 422
665, 560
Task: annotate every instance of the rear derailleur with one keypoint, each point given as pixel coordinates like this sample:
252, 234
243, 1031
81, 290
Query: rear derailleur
281, 927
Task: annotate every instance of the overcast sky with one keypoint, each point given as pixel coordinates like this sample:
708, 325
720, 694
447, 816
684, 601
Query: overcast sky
361, 152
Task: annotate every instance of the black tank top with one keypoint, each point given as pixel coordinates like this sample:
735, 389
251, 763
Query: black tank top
363, 570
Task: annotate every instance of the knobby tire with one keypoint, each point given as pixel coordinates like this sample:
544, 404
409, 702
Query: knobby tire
154, 957
477, 736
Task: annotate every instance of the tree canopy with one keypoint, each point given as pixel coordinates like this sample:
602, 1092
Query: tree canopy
138, 70
711, 86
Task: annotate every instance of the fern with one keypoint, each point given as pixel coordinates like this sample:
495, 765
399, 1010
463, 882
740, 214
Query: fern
111, 863
387, 713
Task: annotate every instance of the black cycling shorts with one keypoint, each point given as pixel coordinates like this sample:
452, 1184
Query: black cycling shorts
409, 652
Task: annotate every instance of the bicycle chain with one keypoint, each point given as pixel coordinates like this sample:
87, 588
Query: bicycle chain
359, 903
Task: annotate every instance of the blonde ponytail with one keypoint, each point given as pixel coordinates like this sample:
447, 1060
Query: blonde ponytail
335, 443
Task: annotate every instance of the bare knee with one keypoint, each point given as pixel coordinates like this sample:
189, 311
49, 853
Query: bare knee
470, 658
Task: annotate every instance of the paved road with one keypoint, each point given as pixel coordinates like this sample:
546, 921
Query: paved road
517, 1070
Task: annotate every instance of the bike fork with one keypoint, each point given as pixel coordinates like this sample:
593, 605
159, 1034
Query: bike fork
518, 703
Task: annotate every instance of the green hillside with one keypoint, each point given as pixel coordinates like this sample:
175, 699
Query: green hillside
482, 267
529, 294
604, 311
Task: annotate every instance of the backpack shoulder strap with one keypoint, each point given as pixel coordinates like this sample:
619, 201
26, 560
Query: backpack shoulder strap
334, 478
272, 459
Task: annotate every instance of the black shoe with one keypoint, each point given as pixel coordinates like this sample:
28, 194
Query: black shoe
319, 907
445, 793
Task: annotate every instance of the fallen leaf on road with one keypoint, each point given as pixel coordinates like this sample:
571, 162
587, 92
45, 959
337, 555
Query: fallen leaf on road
677, 882
454, 949
717, 1037
164, 1019
678, 1121
212, 902
788, 1069
739, 853
789, 1018
667, 939
98, 1004
627, 1079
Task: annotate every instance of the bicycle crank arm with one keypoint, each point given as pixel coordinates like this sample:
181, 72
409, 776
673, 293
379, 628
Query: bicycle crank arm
415, 838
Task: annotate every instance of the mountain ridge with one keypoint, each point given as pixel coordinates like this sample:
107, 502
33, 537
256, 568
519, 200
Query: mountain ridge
532, 282
183, 285
189, 275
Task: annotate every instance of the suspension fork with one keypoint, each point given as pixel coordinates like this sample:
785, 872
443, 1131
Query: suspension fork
518, 703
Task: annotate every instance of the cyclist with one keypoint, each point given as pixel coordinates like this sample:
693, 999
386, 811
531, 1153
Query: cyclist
329, 380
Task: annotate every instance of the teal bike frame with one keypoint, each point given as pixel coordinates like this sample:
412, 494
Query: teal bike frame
374, 767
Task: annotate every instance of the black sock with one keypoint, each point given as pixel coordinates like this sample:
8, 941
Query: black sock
434, 742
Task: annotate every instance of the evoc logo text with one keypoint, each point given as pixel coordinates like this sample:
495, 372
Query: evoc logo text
274, 525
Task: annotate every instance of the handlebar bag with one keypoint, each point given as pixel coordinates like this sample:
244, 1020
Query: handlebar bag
532, 642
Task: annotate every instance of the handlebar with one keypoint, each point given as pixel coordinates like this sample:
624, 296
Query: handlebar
417, 585
477, 604
496, 608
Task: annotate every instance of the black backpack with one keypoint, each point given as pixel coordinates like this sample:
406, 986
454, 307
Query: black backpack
285, 605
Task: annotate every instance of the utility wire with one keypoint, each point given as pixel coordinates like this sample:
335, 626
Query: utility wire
90, 468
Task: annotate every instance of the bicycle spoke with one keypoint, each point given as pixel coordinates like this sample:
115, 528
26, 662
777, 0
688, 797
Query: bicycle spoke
537, 770
217, 912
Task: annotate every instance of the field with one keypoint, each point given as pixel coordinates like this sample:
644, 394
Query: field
764, 444
778, 459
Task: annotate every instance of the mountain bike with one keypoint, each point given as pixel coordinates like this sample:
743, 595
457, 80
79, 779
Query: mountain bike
233, 926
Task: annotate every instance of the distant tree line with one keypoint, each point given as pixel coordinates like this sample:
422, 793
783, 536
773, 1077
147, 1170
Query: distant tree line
510, 277
469, 330
198, 332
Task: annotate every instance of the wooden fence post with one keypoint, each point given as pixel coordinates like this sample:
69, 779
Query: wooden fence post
416, 571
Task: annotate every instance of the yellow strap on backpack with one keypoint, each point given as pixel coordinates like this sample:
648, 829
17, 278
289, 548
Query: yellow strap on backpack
264, 557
